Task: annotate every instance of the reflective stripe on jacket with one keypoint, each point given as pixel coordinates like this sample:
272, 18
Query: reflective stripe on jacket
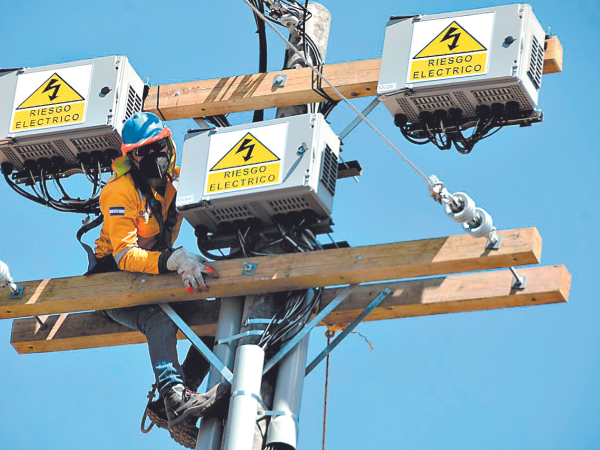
130, 232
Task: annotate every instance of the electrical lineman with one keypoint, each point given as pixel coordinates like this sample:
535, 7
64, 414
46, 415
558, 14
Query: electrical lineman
140, 227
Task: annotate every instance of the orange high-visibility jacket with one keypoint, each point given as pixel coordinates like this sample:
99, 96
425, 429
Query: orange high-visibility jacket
130, 232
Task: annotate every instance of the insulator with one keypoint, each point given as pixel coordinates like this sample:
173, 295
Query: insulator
482, 224
5, 277
467, 212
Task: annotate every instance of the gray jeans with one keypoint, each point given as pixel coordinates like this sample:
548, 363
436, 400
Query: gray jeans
161, 334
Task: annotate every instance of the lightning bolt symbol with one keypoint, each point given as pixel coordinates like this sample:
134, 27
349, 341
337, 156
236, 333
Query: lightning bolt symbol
449, 35
52, 86
246, 146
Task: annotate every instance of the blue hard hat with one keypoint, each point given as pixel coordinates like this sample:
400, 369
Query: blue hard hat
141, 126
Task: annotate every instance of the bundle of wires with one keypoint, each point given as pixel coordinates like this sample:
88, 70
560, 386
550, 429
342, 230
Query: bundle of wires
299, 305
445, 128
277, 9
60, 200
294, 236
291, 317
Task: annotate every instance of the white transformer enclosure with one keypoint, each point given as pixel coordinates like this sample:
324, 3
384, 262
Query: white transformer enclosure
255, 171
462, 60
66, 109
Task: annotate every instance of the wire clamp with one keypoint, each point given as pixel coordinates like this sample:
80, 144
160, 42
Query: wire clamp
436, 189
280, 80
519, 282
249, 268
248, 321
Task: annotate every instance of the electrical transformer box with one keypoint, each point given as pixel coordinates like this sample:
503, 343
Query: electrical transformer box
257, 171
66, 110
462, 60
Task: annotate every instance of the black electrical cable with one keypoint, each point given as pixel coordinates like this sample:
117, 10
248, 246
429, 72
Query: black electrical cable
262, 52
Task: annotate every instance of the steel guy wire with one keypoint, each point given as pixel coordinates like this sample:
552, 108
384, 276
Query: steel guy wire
320, 75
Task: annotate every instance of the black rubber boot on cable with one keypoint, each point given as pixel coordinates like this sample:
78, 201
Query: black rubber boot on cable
182, 403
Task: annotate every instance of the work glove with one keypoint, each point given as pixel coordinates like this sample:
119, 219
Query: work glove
190, 267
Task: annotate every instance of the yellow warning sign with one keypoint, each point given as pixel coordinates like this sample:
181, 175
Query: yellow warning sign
454, 52
248, 164
246, 152
54, 103
247, 177
454, 39
53, 91
48, 116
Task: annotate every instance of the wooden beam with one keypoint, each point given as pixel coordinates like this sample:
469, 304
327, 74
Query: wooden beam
458, 293
256, 91
251, 92
553, 58
287, 272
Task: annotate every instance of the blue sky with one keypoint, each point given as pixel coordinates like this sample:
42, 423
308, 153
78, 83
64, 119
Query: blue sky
519, 378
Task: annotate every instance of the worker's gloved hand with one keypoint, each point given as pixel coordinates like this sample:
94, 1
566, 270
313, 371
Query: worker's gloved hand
190, 267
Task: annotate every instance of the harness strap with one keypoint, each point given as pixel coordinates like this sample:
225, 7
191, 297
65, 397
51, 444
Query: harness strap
84, 229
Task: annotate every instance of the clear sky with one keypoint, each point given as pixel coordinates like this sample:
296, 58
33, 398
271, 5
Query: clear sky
518, 378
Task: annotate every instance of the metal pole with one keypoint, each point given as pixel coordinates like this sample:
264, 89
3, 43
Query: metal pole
230, 319
318, 30
245, 398
283, 428
243, 406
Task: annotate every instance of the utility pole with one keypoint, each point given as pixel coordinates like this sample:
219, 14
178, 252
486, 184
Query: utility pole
251, 391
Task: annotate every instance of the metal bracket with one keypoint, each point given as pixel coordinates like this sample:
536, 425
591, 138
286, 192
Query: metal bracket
43, 325
280, 80
249, 268
308, 327
17, 294
202, 124
519, 282
358, 119
239, 336
346, 331
265, 413
196, 342
248, 394
494, 244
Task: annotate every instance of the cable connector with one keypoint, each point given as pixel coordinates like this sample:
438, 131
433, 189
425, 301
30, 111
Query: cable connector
441, 195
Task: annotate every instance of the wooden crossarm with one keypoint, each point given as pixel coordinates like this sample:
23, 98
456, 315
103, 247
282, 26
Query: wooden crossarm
457, 293
251, 92
453, 254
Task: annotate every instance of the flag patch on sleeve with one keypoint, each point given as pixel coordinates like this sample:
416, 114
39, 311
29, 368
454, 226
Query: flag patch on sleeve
117, 211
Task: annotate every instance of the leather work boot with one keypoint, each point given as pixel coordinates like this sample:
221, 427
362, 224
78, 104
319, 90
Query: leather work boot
186, 433
182, 403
